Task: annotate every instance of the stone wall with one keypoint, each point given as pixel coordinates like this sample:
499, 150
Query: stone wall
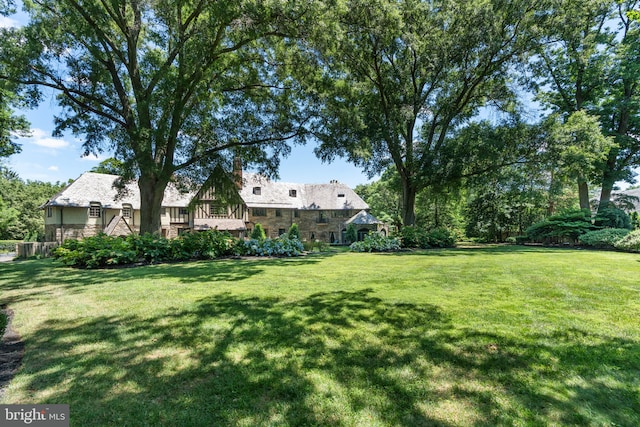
309, 223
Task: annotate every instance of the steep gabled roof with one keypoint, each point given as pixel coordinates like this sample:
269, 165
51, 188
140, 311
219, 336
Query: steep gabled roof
332, 196
98, 187
363, 218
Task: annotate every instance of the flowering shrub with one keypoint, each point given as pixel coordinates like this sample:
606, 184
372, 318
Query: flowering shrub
630, 242
282, 246
376, 242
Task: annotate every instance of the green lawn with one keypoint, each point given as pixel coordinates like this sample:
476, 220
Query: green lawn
494, 336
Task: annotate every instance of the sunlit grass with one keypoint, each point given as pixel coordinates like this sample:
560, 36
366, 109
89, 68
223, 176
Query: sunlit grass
496, 336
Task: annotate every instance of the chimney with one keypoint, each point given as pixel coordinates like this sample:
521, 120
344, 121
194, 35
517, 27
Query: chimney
237, 172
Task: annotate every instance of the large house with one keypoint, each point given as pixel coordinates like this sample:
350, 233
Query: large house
91, 205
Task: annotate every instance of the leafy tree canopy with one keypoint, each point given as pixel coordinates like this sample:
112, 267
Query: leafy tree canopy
173, 88
397, 77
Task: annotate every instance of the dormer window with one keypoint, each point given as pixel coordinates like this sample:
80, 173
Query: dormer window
257, 190
293, 193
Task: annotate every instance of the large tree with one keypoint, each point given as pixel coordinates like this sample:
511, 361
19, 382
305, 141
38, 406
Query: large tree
173, 87
590, 62
399, 76
570, 64
10, 123
620, 108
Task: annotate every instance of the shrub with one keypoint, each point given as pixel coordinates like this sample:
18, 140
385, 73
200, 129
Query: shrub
294, 232
613, 218
603, 239
258, 233
413, 237
97, 251
558, 228
351, 235
103, 250
376, 242
208, 244
151, 247
635, 220
282, 246
630, 242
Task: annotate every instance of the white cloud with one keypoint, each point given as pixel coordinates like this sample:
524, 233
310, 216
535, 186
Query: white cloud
42, 138
94, 158
53, 168
51, 142
6, 22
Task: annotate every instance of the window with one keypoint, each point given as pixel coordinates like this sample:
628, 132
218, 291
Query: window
296, 213
281, 231
94, 210
217, 209
322, 217
340, 194
259, 211
341, 214
126, 211
257, 191
278, 212
49, 211
293, 193
184, 211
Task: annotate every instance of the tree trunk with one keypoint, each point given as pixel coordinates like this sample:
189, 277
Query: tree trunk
583, 193
408, 203
608, 181
151, 195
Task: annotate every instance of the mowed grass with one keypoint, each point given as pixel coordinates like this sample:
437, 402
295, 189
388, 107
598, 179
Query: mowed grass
460, 337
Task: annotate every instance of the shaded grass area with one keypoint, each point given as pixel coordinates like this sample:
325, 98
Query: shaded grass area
496, 336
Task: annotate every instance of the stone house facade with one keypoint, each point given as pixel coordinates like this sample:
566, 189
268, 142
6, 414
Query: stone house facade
91, 205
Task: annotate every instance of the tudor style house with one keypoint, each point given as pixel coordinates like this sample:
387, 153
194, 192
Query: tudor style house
91, 205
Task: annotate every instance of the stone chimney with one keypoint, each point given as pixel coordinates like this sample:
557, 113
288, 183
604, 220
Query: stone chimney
237, 172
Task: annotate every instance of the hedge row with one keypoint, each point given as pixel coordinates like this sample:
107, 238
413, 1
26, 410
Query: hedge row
103, 250
409, 237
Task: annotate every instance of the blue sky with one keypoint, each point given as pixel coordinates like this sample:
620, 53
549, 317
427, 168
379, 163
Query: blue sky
44, 158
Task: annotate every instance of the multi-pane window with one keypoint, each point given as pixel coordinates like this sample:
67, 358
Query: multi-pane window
217, 209
257, 191
49, 211
184, 211
127, 211
259, 211
94, 210
322, 217
278, 212
293, 193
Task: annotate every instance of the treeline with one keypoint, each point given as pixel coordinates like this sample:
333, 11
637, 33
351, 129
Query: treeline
20, 215
507, 205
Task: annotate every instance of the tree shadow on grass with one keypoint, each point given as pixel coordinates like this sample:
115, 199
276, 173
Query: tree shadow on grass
32, 278
489, 249
339, 358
